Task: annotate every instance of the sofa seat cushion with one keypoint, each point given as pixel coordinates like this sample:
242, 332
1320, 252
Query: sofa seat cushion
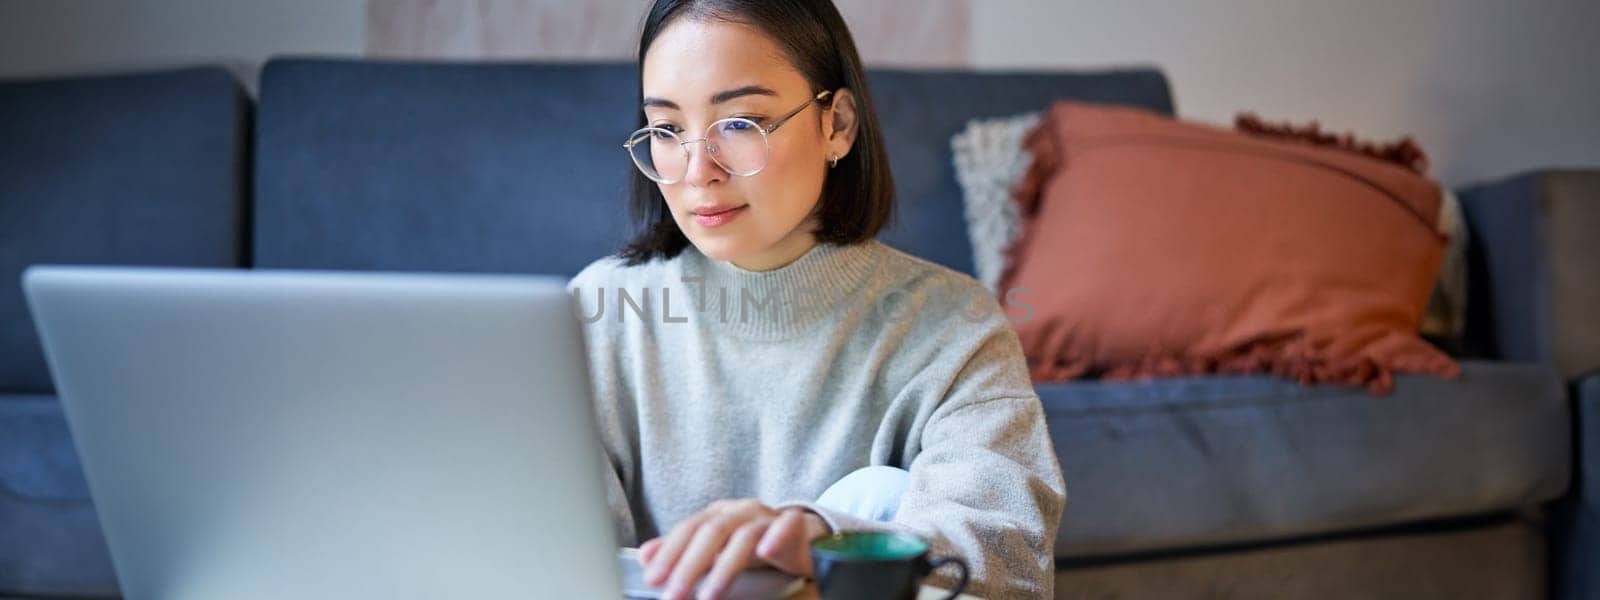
53, 541
1187, 462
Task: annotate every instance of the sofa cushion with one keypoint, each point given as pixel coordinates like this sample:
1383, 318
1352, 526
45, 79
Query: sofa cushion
1187, 462
143, 169
1153, 247
519, 167
441, 167
53, 542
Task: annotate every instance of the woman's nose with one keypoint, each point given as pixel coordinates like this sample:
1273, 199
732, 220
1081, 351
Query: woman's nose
703, 168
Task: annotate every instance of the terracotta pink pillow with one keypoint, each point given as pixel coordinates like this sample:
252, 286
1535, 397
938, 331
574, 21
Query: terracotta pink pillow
1157, 247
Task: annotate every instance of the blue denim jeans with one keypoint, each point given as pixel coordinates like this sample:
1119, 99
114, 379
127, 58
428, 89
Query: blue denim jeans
869, 493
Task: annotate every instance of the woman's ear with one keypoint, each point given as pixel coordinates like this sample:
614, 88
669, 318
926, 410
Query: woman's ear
841, 123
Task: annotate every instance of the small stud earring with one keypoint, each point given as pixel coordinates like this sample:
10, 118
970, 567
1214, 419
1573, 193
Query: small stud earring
835, 161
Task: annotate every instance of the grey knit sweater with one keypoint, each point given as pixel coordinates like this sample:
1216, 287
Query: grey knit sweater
715, 382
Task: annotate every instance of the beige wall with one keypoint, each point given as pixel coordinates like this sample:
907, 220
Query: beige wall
1489, 87
43, 37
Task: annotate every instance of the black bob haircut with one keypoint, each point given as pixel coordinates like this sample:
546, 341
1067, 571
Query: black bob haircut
858, 196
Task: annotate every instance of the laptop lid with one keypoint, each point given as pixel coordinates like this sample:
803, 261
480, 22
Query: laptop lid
282, 434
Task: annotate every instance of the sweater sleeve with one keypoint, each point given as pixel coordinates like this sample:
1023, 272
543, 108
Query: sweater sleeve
614, 424
610, 422
621, 510
986, 485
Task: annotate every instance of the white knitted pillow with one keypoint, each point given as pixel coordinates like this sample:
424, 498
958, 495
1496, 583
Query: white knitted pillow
989, 158
1447, 307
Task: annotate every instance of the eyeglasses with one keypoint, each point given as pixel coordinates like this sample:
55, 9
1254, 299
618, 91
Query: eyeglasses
737, 144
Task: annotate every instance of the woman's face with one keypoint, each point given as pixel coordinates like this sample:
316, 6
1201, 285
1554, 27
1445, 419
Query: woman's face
758, 222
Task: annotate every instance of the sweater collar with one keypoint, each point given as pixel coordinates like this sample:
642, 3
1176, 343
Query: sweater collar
782, 302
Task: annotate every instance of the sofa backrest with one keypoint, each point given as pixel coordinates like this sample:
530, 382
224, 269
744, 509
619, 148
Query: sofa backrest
506, 167
144, 169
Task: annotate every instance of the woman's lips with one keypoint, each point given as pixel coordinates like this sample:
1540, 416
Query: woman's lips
717, 217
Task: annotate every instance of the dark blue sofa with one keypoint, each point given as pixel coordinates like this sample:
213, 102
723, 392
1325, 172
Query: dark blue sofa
1486, 486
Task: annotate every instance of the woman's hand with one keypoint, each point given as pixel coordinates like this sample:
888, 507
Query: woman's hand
725, 538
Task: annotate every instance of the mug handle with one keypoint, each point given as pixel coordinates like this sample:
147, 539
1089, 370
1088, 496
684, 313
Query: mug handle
951, 560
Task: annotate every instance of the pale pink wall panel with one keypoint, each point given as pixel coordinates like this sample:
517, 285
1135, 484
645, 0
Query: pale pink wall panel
929, 33
914, 33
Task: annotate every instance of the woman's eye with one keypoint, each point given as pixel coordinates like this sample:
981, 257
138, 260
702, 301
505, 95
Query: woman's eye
746, 124
662, 133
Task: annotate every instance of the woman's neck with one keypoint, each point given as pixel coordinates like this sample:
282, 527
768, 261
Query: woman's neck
781, 302
781, 254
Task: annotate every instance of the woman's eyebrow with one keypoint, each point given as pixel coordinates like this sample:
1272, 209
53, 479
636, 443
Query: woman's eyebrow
749, 90
718, 98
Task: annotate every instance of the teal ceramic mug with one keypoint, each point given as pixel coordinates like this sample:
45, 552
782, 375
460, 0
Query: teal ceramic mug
865, 565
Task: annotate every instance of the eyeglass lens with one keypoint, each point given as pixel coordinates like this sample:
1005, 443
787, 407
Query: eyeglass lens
737, 145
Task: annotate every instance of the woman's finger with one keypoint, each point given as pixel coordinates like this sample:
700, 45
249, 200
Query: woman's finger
698, 556
735, 556
665, 557
786, 545
648, 550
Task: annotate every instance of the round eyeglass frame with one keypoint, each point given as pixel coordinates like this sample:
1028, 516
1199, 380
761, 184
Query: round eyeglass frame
635, 138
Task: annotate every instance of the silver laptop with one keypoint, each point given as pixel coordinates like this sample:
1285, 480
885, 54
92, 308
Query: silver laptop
275, 434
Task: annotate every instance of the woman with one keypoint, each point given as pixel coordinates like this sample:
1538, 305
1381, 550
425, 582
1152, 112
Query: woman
754, 345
